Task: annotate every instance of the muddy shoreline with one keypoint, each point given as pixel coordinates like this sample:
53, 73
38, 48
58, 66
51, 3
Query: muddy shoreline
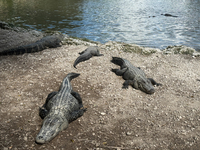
116, 119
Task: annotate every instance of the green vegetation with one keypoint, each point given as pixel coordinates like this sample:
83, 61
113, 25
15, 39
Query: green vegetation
137, 49
84, 39
77, 41
180, 50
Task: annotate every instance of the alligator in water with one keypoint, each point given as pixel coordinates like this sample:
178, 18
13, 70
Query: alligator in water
166, 15
133, 76
59, 110
52, 41
87, 54
169, 15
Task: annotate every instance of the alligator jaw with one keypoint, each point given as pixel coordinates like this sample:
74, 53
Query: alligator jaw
50, 128
146, 86
150, 91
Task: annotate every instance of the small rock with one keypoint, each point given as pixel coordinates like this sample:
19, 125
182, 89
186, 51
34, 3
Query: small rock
102, 113
128, 133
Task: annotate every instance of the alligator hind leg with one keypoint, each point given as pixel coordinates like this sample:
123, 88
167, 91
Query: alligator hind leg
50, 96
43, 112
119, 72
78, 97
76, 114
154, 82
82, 52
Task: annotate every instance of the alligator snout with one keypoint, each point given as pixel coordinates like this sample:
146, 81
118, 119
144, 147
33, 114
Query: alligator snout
39, 140
151, 91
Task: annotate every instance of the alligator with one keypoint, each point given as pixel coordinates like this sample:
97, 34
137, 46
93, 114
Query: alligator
133, 76
87, 54
52, 41
169, 15
166, 15
61, 108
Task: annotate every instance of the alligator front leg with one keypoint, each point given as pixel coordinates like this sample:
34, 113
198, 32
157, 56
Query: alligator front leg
76, 114
43, 112
78, 97
154, 82
130, 82
98, 54
119, 72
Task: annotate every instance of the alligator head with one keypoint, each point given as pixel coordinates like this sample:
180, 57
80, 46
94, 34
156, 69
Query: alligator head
52, 125
145, 86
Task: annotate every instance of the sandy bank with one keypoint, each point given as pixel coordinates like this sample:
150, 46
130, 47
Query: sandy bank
116, 118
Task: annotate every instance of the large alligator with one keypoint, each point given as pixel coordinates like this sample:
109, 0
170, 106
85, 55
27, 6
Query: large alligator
52, 41
87, 54
59, 110
133, 76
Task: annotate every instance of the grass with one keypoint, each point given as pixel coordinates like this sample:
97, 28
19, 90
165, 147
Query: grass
137, 49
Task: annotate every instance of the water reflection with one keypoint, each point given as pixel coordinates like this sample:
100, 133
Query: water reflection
128, 21
42, 14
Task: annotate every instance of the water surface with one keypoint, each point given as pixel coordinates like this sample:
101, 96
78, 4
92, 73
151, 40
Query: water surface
131, 21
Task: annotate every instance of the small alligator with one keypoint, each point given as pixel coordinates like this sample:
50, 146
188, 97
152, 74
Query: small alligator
166, 15
87, 54
133, 76
169, 15
52, 41
59, 110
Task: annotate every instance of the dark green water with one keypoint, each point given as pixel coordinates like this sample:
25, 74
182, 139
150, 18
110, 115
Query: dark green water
127, 21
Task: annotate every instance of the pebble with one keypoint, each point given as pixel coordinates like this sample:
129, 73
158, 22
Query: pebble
128, 133
102, 113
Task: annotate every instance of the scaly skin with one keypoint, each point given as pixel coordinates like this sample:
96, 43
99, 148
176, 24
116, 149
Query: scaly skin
87, 54
133, 76
59, 110
45, 42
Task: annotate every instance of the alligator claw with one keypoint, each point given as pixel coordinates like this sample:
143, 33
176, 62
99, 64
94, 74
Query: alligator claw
158, 84
84, 109
42, 112
113, 70
125, 87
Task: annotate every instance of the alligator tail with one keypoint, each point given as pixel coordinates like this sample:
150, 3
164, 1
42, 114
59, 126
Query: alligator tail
23, 49
83, 57
17, 51
72, 75
117, 60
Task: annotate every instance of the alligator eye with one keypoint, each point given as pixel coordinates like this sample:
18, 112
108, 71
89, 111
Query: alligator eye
54, 121
52, 133
40, 137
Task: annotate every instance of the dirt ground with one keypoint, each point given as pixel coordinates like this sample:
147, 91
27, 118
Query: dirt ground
116, 118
